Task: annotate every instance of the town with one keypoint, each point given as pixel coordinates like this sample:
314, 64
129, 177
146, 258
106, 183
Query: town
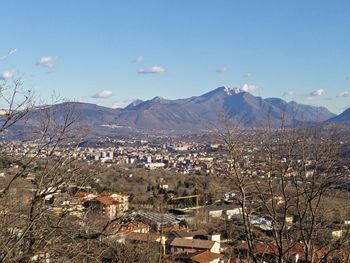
177, 200
175, 131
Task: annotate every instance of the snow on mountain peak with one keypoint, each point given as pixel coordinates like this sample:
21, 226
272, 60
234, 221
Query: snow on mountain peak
244, 88
232, 91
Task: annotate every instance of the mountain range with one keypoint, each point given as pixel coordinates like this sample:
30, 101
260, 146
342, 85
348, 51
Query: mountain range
208, 110
343, 117
196, 114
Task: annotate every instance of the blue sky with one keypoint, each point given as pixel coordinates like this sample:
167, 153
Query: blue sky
111, 52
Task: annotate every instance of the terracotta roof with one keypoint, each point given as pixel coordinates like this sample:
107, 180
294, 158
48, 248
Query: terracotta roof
265, 248
206, 257
106, 200
192, 243
262, 248
171, 229
292, 249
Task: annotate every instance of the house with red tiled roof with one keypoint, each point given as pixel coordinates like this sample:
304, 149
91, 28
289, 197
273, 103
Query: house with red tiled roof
112, 205
207, 257
118, 230
183, 245
295, 252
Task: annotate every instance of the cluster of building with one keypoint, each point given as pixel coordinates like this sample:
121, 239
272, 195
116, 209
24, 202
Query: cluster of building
111, 205
179, 158
168, 230
171, 231
171, 234
183, 158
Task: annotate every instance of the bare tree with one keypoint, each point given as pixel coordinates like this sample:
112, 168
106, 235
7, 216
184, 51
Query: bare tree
231, 137
39, 218
41, 171
15, 101
40, 167
289, 173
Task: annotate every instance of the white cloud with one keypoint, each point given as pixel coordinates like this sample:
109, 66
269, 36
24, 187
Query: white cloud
121, 104
343, 94
247, 75
317, 93
102, 94
6, 75
47, 62
249, 88
9, 53
221, 70
289, 93
118, 104
138, 59
152, 70
12, 51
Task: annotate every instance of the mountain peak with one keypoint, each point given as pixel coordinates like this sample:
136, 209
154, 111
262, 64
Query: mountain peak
133, 104
222, 91
343, 117
193, 114
157, 99
232, 90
